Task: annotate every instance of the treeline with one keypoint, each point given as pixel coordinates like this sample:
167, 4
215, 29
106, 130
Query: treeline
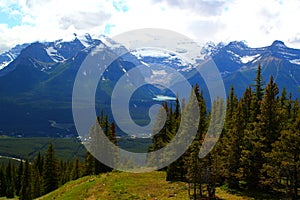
258, 150
45, 173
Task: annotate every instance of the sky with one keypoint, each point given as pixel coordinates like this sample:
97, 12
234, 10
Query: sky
257, 22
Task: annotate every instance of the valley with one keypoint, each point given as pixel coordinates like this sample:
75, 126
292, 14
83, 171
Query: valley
36, 80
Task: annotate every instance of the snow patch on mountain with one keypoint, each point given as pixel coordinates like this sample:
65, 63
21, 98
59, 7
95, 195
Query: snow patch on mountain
233, 54
109, 42
161, 77
145, 52
8, 56
162, 57
54, 55
246, 59
210, 49
295, 61
85, 39
4, 64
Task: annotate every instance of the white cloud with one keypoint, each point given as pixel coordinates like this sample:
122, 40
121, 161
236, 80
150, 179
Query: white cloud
258, 22
53, 19
201, 7
261, 22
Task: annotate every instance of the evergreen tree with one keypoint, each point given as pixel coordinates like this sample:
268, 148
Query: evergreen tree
191, 157
89, 168
212, 167
98, 145
259, 90
10, 183
189, 123
193, 175
231, 140
26, 188
19, 178
76, 170
39, 163
50, 170
2, 180
269, 123
254, 137
65, 172
258, 95
161, 136
37, 184
284, 159
269, 118
163, 132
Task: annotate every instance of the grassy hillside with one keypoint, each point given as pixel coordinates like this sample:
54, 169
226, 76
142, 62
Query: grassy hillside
121, 186
67, 149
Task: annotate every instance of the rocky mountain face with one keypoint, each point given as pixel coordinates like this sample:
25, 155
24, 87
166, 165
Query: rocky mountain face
36, 80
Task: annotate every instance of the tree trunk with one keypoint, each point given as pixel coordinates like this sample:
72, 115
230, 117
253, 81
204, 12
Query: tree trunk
211, 191
295, 184
195, 190
189, 189
200, 190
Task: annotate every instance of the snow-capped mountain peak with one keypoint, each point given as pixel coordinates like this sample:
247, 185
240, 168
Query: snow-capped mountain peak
210, 49
7, 57
162, 57
278, 43
86, 40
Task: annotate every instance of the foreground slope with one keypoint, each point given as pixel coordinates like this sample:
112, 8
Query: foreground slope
121, 185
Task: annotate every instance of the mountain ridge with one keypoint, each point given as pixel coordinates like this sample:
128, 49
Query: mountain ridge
36, 86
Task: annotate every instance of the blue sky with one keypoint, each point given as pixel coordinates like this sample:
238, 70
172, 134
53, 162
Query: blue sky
9, 20
11, 16
257, 22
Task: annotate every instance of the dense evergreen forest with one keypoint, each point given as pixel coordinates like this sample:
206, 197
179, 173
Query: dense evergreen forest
258, 150
45, 173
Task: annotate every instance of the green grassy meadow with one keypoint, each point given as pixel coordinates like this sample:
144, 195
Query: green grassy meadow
66, 148
128, 186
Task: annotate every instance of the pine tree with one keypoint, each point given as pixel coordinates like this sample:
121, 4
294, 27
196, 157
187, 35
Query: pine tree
212, 168
252, 157
269, 118
259, 90
2, 180
193, 175
192, 162
19, 178
99, 133
284, 159
161, 135
76, 170
37, 184
163, 132
232, 103
26, 188
10, 183
64, 172
258, 95
231, 140
269, 121
50, 170
89, 167
39, 163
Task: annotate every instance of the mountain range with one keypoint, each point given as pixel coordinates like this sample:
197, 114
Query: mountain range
36, 80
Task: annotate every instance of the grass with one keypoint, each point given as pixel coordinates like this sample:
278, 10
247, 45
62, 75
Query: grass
128, 186
121, 186
223, 194
138, 145
67, 149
